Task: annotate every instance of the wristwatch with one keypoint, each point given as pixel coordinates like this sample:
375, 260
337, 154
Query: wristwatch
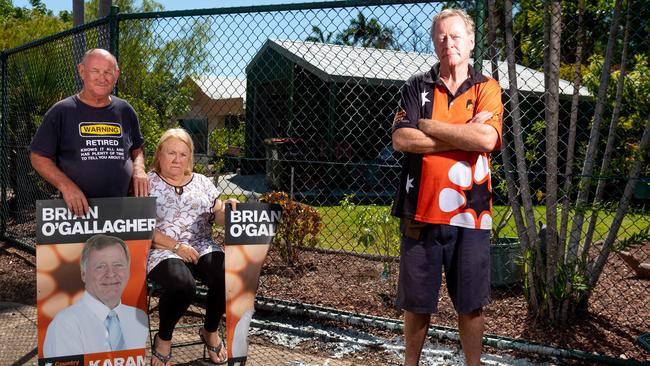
177, 246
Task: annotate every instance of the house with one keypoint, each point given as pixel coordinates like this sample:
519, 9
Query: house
326, 110
217, 102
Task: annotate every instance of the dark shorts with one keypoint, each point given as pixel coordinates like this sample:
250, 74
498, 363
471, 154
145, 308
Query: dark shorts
463, 253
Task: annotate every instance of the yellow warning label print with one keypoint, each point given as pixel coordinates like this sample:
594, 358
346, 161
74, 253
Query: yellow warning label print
90, 129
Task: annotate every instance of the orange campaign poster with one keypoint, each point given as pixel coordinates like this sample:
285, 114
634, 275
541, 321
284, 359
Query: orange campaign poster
249, 232
91, 282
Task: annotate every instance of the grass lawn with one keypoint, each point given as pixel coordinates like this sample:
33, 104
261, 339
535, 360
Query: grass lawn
339, 227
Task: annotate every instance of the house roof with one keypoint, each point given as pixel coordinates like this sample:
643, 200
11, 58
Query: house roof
221, 87
377, 66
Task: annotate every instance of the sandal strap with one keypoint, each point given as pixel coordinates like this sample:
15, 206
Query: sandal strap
216, 349
163, 358
210, 348
160, 356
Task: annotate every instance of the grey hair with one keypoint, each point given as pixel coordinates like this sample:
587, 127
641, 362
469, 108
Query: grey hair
99, 242
448, 13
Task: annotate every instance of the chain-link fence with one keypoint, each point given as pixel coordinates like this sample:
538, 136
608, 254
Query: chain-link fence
301, 98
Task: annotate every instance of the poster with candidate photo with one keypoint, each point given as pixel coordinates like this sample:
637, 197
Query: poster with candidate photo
91, 281
250, 229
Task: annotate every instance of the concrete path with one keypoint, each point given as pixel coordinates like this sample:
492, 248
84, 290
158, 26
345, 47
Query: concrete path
246, 185
18, 337
271, 345
17, 334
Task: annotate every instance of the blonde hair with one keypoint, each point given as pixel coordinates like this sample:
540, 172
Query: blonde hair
448, 13
180, 134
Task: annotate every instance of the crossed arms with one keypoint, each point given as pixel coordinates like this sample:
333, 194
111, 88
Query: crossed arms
433, 136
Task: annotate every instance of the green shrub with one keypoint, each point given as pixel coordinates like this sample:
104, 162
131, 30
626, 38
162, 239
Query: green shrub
220, 139
150, 126
377, 229
299, 226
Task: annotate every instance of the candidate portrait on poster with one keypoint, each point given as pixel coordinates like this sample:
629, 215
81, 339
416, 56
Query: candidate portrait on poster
98, 321
91, 281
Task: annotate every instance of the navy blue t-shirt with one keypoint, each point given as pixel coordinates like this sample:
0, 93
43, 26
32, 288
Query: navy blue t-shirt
92, 146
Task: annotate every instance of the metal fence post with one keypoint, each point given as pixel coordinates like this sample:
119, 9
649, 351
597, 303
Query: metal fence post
3, 141
114, 29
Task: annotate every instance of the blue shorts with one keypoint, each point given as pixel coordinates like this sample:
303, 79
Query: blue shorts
463, 253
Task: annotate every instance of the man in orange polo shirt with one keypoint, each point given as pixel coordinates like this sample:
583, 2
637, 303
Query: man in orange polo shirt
449, 121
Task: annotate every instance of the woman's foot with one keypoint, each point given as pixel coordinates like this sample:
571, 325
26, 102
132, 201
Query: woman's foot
161, 352
216, 350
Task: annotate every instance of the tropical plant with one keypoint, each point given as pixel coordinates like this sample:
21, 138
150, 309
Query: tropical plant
376, 229
222, 139
149, 125
299, 227
317, 35
559, 281
360, 32
367, 33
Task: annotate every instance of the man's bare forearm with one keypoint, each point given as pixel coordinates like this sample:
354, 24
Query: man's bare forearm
469, 136
140, 178
415, 141
137, 155
74, 198
47, 169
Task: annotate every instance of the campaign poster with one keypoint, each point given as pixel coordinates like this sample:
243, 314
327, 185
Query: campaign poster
91, 281
249, 232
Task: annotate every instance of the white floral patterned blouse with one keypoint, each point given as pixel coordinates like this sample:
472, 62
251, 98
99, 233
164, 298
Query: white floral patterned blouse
185, 214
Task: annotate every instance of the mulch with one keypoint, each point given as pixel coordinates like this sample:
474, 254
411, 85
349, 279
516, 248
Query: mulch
616, 316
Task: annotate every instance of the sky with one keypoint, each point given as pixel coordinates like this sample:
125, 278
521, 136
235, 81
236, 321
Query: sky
57, 5
235, 39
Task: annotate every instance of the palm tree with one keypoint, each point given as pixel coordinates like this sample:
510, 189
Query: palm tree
361, 32
367, 33
317, 35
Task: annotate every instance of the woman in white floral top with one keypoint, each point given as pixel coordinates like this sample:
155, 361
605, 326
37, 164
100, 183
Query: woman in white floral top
186, 205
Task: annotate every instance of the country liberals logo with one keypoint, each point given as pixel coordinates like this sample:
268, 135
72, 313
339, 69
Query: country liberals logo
100, 129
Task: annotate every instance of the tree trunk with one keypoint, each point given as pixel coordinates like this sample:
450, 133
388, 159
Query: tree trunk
623, 206
553, 29
594, 137
525, 230
609, 148
575, 101
568, 170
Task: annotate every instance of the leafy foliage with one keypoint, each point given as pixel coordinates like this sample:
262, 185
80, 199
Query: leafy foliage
150, 125
19, 25
300, 226
560, 278
634, 240
221, 139
633, 112
376, 229
361, 32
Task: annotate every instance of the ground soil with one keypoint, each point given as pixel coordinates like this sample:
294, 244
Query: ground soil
617, 314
